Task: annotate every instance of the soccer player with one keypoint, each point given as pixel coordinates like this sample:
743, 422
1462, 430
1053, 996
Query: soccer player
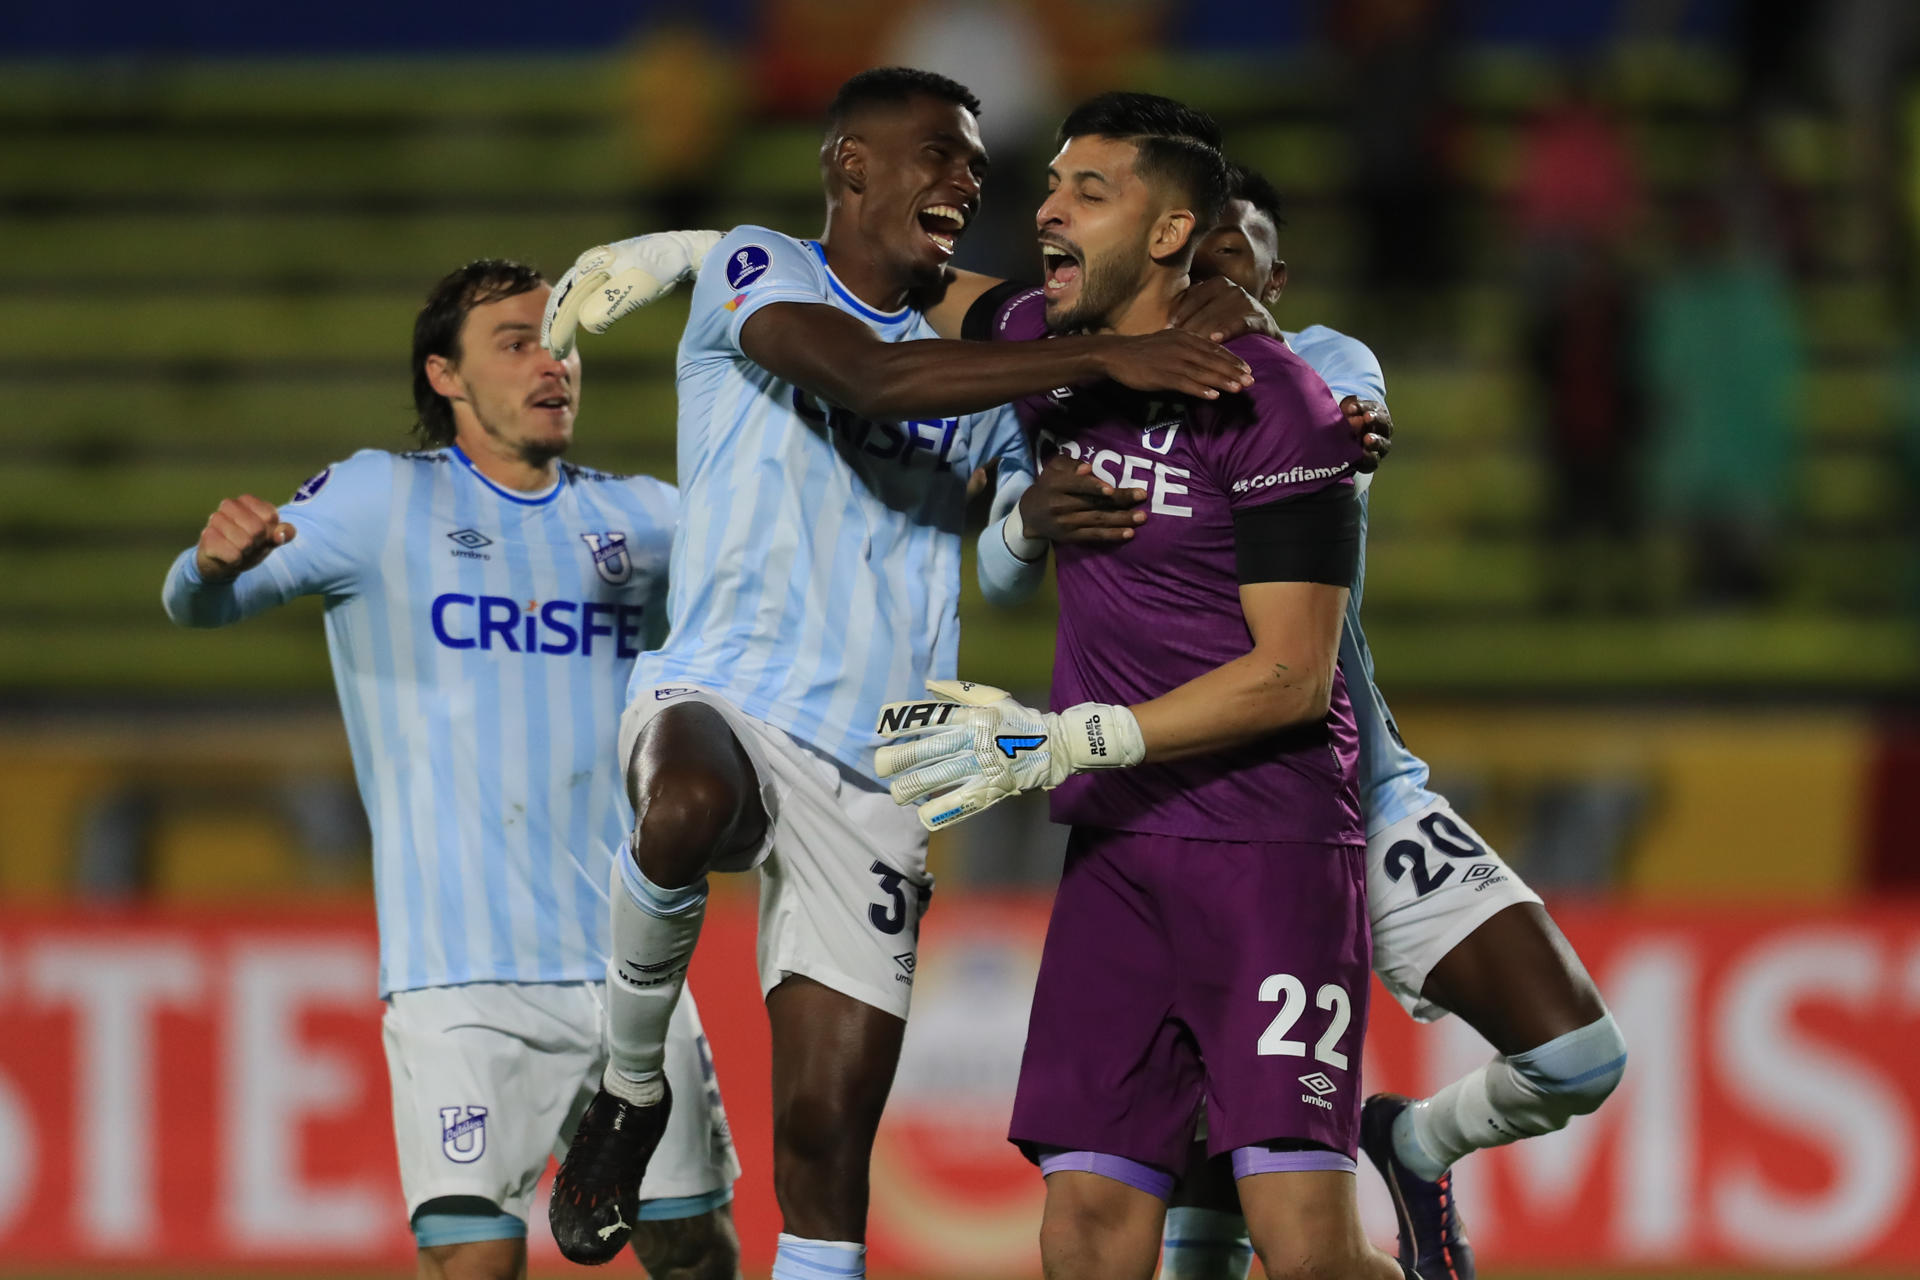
485, 603
1454, 928
826, 442
1209, 936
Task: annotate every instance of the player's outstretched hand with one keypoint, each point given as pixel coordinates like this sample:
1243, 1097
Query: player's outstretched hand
1218, 309
1068, 503
1178, 361
241, 533
1372, 427
611, 281
972, 746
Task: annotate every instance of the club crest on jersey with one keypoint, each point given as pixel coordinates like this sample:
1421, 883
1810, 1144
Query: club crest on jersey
1011, 746
463, 1133
610, 558
747, 265
1158, 437
312, 486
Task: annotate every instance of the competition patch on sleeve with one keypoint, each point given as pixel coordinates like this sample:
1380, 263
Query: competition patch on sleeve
748, 263
312, 486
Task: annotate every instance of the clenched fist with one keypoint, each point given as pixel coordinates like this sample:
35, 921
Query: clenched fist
239, 536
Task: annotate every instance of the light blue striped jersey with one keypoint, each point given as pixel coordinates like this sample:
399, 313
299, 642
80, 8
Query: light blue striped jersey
817, 571
1393, 781
481, 642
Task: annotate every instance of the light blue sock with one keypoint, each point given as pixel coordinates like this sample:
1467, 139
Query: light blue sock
799, 1259
1523, 1096
1205, 1244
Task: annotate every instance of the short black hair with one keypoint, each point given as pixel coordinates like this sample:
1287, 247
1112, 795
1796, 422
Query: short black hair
1124, 114
1174, 144
1246, 184
894, 86
436, 332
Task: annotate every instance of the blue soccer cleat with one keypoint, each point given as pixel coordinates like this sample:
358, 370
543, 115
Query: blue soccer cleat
1433, 1240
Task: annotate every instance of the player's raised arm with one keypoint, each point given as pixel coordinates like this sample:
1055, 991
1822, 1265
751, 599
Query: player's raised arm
836, 356
239, 535
611, 281
253, 556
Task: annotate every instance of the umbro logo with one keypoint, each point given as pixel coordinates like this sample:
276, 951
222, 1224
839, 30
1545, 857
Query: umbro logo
1319, 1083
470, 539
906, 961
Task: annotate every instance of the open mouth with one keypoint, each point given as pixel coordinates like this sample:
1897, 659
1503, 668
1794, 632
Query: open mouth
554, 403
1061, 265
943, 224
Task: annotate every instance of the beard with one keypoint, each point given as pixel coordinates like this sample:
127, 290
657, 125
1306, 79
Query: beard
1107, 284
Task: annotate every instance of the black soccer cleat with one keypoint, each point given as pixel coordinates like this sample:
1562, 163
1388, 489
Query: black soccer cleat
596, 1194
1433, 1240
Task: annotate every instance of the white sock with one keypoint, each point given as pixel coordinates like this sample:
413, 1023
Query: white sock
654, 932
799, 1259
1522, 1095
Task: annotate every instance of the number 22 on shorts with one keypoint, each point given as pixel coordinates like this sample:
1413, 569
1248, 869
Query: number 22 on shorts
1292, 995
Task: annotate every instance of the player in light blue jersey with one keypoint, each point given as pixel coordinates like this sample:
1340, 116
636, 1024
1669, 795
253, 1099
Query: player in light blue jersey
1454, 929
826, 444
485, 602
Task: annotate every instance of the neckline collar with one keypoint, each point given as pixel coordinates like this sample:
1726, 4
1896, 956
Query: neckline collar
846, 295
539, 499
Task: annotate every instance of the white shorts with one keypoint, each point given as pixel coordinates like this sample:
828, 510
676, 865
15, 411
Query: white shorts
1431, 881
843, 871
489, 1078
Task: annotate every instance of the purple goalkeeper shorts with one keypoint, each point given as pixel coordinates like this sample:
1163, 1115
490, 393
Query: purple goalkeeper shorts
1178, 967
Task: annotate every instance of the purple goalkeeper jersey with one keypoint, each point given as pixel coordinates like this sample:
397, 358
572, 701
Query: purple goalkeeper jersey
1140, 618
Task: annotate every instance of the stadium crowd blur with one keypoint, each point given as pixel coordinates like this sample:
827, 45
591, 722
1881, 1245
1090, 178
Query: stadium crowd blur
1640, 274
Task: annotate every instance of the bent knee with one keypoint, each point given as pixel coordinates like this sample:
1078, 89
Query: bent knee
686, 818
1580, 1070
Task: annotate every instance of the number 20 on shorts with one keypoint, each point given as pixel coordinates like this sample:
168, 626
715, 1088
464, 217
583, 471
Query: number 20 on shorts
1292, 995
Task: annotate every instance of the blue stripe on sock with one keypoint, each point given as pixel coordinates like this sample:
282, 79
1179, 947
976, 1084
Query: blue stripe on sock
650, 897
1568, 1061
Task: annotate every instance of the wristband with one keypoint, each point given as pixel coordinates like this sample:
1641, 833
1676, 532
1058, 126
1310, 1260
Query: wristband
1013, 531
1100, 735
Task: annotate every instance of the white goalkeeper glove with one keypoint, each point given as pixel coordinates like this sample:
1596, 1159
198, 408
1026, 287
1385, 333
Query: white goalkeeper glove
614, 280
974, 746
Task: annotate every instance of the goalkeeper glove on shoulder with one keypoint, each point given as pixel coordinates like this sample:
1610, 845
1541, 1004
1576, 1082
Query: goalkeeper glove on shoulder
611, 281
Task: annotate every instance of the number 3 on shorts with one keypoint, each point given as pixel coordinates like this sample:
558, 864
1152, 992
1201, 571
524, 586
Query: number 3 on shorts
889, 917
1292, 995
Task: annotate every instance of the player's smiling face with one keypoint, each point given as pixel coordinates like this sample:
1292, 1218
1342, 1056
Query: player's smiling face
1095, 231
1245, 248
513, 392
920, 167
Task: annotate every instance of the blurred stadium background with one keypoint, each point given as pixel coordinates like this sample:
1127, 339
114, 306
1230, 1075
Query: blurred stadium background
1644, 565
